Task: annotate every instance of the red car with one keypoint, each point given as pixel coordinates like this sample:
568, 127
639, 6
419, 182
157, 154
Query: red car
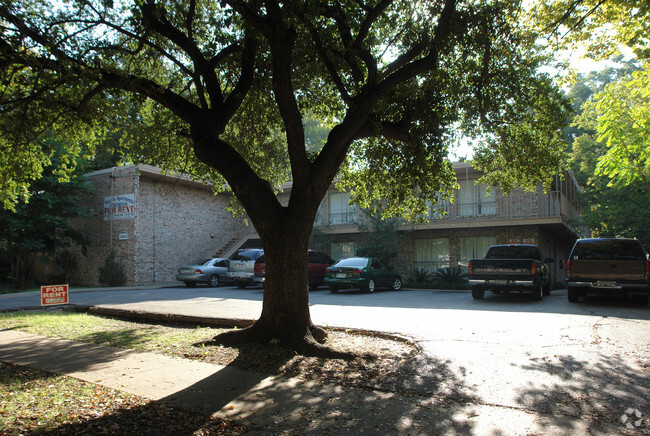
318, 261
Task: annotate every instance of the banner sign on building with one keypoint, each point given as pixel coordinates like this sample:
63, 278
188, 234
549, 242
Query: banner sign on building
121, 208
56, 294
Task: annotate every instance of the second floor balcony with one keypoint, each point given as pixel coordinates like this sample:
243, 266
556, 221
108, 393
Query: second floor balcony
472, 203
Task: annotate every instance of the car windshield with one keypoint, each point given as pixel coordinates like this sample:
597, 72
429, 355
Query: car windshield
353, 262
247, 255
603, 249
512, 252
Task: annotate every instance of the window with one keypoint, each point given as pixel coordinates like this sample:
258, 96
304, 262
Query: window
341, 212
341, 250
438, 210
431, 254
473, 199
475, 247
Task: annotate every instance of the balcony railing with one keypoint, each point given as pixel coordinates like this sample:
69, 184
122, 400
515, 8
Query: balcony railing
343, 217
512, 206
518, 205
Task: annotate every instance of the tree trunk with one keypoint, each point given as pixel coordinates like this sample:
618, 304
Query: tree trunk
285, 310
22, 267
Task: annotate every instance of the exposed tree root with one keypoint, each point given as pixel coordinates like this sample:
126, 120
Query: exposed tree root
309, 347
319, 334
306, 344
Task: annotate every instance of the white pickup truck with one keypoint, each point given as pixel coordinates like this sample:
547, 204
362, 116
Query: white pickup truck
241, 268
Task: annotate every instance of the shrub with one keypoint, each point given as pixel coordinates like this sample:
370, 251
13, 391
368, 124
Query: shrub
453, 277
420, 276
112, 272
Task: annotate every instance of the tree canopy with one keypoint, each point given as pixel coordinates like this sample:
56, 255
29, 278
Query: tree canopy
610, 151
222, 89
623, 125
609, 209
35, 229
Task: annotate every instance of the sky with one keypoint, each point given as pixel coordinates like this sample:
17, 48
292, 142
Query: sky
576, 59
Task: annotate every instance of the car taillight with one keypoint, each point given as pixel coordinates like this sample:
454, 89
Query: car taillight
198, 271
533, 269
568, 267
357, 271
327, 270
647, 270
469, 268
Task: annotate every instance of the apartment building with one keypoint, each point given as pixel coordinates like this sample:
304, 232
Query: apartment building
463, 229
156, 221
153, 222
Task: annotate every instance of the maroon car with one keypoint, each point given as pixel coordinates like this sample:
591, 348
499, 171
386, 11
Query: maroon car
318, 261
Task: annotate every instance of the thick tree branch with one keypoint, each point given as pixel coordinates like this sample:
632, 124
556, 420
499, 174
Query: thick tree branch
424, 64
282, 42
236, 97
329, 64
166, 29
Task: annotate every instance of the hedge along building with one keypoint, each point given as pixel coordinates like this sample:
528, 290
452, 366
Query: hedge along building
154, 222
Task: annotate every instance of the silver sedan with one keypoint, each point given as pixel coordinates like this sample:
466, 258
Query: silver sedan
211, 271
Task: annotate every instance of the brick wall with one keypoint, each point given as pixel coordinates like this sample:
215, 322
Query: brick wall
177, 224
173, 221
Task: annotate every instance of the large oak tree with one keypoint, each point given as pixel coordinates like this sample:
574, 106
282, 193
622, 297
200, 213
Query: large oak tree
230, 82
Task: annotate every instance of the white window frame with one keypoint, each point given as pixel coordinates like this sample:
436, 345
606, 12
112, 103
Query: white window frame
341, 212
474, 199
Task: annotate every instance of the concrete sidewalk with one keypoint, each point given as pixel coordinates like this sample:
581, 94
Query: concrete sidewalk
279, 404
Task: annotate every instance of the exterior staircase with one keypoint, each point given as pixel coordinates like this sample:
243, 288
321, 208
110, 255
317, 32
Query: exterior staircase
231, 246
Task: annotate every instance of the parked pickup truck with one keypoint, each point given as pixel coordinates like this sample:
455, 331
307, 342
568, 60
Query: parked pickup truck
241, 267
608, 266
510, 268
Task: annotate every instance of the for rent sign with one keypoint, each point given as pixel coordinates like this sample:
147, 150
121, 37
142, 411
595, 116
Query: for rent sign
119, 207
56, 294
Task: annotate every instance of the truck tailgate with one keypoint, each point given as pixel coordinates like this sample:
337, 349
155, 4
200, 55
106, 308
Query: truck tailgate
502, 268
608, 270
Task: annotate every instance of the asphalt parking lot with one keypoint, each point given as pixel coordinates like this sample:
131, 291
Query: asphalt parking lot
551, 357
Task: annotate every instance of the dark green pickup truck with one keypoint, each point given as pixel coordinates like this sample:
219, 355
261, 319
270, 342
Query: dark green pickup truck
608, 266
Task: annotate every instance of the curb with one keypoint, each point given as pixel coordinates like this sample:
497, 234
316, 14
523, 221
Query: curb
165, 317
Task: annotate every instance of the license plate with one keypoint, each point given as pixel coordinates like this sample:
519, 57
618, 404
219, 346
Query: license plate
341, 275
605, 284
501, 282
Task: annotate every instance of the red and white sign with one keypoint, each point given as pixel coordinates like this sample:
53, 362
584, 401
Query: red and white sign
55, 294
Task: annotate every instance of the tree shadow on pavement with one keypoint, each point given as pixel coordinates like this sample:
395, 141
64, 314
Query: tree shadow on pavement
594, 392
423, 397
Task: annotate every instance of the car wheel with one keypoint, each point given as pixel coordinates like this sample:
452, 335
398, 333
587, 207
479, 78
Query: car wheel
397, 284
333, 290
241, 285
213, 281
574, 295
538, 292
190, 284
478, 293
370, 288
